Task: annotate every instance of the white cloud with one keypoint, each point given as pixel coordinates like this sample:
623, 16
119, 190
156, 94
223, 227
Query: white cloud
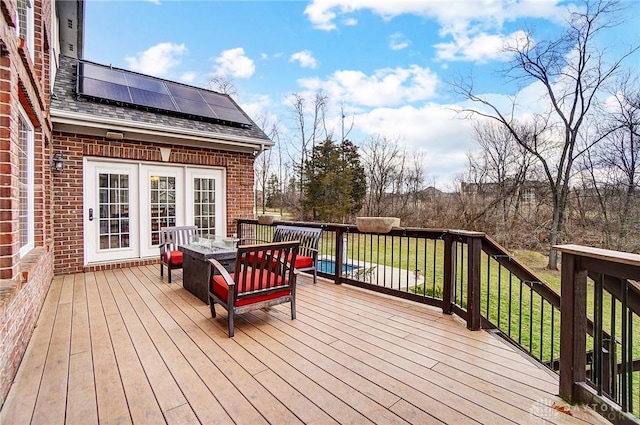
397, 41
470, 24
386, 87
234, 63
188, 77
260, 109
157, 60
476, 48
452, 14
305, 59
432, 129
350, 22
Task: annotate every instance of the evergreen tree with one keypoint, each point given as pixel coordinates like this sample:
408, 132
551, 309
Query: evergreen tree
335, 187
273, 195
355, 175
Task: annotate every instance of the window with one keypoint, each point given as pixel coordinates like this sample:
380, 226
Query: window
528, 196
163, 204
114, 210
204, 205
26, 183
25, 23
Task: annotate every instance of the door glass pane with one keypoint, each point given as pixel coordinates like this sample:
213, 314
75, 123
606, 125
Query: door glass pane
204, 196
113, 208
162, 202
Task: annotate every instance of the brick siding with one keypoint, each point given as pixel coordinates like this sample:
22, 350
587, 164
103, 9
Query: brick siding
24, 282
68, 194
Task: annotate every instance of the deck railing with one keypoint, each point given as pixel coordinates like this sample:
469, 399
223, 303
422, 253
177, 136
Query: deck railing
469, 274
604, 286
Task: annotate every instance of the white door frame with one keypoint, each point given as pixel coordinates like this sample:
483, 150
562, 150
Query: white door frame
91, 211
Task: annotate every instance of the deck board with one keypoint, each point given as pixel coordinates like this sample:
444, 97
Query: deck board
123, 346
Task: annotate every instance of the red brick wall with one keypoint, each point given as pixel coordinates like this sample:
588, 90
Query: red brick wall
25, 281
19, 312
68, 192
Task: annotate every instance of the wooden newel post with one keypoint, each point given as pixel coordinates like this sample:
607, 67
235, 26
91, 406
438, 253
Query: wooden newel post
449, 273
474, 319
573, 326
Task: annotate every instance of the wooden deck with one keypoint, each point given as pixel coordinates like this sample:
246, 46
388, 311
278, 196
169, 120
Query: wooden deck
124, 346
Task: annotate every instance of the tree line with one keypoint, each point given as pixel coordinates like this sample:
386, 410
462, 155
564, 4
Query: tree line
564, 169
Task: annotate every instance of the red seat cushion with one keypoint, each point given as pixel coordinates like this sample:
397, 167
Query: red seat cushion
221, 289
302, 261
176, 258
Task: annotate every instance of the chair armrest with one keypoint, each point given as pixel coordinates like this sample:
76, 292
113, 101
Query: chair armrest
244, 241
225, 274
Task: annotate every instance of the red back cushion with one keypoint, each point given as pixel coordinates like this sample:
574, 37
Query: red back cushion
301, 260
267, 279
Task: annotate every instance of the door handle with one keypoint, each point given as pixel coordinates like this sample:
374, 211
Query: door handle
90, 214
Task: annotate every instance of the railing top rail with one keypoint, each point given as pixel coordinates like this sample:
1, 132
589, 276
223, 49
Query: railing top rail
353, 227
601, 254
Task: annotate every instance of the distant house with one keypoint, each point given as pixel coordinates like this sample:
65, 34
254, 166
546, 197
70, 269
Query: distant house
527, 193
96, 159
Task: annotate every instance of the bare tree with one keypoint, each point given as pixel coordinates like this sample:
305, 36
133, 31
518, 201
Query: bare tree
263, 163
309, 123
622, 150
611, 170
380, 160
223, 85
395, 180
498, 172
573, 71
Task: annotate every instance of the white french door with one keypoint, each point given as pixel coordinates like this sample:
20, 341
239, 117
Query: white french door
110, 213
161, 204
126, 204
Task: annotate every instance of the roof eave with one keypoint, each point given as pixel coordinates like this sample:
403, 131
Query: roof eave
74, 122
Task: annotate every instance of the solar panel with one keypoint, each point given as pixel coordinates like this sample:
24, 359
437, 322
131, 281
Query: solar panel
217, 99
141, 90
104, 90
185, 92
146, 83
228, 114
152, 99
102, 73
194, 108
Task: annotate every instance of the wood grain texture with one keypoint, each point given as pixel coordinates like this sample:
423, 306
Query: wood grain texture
123, 346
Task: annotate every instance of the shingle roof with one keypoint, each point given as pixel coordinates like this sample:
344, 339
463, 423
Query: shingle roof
66, 99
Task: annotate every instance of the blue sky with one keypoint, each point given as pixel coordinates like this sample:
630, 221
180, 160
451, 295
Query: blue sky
386, 61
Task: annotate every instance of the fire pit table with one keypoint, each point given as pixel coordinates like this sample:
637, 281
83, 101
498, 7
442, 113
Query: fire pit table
196, 270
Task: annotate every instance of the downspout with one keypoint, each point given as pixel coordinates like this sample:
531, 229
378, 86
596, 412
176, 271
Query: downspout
255, 199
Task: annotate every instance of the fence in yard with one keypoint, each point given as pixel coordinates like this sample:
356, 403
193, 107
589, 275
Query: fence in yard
469, 274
